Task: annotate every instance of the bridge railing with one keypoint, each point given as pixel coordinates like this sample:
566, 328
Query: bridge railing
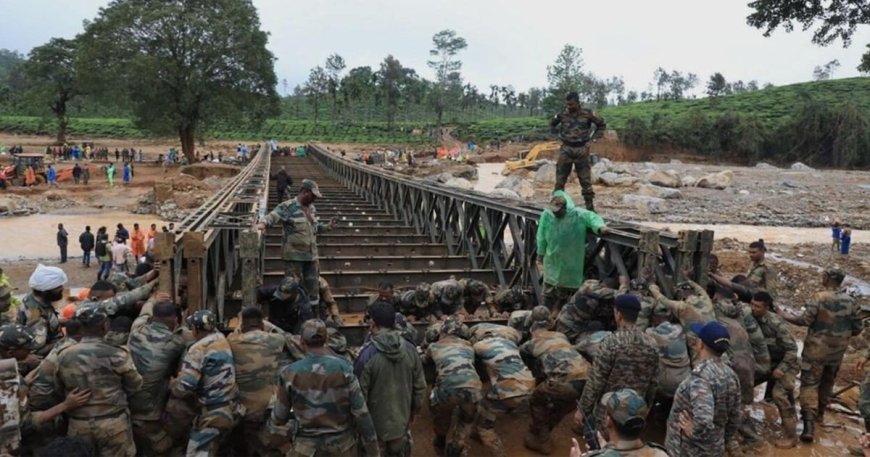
217, 246
500, 234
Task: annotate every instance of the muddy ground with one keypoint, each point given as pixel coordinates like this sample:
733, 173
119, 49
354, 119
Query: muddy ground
815, 196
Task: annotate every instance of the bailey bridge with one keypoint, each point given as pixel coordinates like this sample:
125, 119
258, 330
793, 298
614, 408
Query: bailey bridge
391, 227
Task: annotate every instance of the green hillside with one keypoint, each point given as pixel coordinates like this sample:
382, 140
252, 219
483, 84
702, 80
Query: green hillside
772, 108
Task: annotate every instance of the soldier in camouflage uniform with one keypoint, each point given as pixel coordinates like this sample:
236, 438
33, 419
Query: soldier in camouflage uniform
115, 303
415, 303
124, 282
784, 360
832, 318
706, 411
208, 373
448, 297
625, 414
156, 347
478, 299
522, 320
590, 309
298, 219
574, 127
674, 363
36, 312
15, 343
511, 381
627, 358
8, 305
288, 303
508, 300
561, 373
761, 275
454, 397
689, 295
331, 306
322, 397
110, 374
256, 354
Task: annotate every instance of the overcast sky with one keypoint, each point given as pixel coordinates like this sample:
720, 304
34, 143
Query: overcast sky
509, 41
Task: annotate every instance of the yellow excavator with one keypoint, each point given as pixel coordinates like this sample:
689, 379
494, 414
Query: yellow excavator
546, 150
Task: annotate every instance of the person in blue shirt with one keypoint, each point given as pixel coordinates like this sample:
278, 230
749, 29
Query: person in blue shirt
835, 234
845, 240
127, 176
51, 175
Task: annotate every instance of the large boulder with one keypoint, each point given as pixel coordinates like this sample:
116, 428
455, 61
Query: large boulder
459, 183
625, 181
798, 166
719, 180
766, 166
650, 190
608, 178
520, 186
664, 178
546, 174
688, 181
645, 203
467, 172
505, 193
602, 166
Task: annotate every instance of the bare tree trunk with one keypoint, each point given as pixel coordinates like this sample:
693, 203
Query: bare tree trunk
62, 127
186, 135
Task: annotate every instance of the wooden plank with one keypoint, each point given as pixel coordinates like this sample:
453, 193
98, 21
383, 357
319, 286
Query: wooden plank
193, 251
164, 252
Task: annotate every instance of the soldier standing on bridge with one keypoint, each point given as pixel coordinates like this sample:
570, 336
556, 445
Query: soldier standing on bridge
574, 127
298, 218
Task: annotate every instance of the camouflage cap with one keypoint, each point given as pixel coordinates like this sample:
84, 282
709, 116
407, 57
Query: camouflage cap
625, 405
15, 336
312, 186
433, 331
539, 314
119, 279
202, 319
288, 289
836, 274
421, 295
452, 326
91, 313
314, 332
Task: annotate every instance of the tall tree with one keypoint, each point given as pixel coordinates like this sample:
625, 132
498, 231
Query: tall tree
392, 78
184, 65
565, 75
315, 89
52, 80
864, 67
446, 44
334, 66
717, 85
826, 71
833, 19
358, 88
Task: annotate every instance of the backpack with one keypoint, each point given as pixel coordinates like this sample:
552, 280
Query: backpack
100, 249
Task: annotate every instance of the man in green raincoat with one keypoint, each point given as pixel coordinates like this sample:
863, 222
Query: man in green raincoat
561, 241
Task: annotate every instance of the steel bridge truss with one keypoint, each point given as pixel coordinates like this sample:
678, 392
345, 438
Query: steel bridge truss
500, 234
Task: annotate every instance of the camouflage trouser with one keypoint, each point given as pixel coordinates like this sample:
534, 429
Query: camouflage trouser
110, 436
577, 158
208, 428
151, 437
782, 392
817, 383
180, 412
399, 447
309, 277
251, 437
340, 445
551, 401
453, 415
555, 297
489, 409
864, 400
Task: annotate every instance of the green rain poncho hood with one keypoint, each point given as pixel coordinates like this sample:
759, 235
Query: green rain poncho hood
562, 242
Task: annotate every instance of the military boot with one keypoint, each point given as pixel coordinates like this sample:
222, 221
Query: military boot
589, 205
809, 429
538, 444
789, 434
748, 432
